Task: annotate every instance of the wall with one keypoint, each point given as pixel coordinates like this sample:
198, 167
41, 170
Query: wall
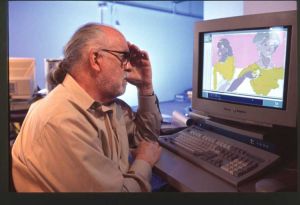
169, 41
41, 29
255, 7
222, 9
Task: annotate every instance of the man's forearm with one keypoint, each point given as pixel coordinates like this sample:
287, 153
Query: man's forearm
145, 90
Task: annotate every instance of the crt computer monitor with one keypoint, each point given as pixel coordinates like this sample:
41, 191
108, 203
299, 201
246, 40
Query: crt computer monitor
245, 69
21, 78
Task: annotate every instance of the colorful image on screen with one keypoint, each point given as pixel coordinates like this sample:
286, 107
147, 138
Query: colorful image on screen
245, 66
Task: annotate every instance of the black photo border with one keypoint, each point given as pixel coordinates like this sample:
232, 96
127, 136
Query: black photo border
8, 197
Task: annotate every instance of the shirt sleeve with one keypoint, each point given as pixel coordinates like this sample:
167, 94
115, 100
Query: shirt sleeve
145, 123
140, 171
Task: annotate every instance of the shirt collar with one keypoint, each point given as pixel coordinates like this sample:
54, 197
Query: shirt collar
102, 107
83, 98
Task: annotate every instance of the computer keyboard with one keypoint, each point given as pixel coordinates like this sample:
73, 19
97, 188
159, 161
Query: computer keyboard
231, 160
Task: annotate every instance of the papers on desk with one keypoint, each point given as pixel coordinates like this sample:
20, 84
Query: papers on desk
179, 119
176, 119
167, 118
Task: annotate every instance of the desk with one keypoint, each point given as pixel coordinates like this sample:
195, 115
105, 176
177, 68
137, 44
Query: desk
18, 115
186, 177
18, 111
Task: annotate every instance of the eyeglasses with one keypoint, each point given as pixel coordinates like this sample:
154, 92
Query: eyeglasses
124, 59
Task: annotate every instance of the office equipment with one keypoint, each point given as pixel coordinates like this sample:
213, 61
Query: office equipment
257, 136
269, 185
246, 89
244, 76
180, 120
48, 65
188, 177
21, 78
19, 104
231, 160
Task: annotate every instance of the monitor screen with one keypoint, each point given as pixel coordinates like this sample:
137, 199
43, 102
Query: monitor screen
246, 66
245, 69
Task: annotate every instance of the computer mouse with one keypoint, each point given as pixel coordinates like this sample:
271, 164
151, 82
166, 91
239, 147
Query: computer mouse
269, 185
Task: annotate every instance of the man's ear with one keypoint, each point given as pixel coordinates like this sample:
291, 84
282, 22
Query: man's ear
95, 59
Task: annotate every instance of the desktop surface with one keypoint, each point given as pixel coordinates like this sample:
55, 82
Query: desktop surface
186, 177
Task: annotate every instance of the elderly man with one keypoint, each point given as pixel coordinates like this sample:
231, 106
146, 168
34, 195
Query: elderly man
78, 138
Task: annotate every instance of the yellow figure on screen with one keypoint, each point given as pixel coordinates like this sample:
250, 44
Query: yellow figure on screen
263, 74
224, 69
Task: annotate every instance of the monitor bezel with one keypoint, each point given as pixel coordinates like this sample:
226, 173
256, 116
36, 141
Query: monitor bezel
244, 113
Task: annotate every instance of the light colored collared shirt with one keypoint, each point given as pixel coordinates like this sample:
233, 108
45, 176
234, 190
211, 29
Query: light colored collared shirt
70, 143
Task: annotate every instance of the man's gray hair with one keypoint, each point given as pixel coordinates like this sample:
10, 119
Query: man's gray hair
88, 34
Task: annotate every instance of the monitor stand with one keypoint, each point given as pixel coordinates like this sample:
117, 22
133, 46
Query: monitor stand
276, 139
244, 129
246, 133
